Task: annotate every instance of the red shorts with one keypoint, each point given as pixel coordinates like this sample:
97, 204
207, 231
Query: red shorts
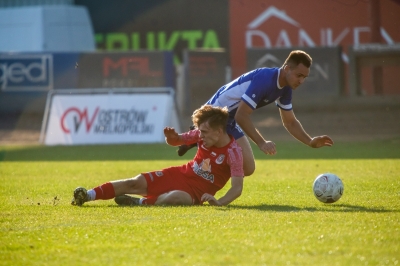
169, 179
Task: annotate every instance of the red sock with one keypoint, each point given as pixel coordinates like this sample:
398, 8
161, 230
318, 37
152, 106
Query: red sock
105, 191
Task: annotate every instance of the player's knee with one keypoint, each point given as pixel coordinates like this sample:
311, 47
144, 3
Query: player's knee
175, 197
249, 172
249, 169
128, 184
135, 182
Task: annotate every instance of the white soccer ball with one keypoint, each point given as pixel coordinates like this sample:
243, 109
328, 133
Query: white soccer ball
328, 188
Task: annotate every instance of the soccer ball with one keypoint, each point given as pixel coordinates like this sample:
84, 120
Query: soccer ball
328, 188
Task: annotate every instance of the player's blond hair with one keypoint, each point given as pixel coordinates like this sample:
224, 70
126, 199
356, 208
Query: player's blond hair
217, 117
297, 57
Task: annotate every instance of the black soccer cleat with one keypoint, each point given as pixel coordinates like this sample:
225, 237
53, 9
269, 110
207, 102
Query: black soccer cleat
80, 196
126, 200
184, 148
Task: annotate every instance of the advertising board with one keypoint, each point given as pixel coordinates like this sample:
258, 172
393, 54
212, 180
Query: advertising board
108, 118
282, 24
272, 24
26, 71
25, 78
166, 25
46, 71
126, 70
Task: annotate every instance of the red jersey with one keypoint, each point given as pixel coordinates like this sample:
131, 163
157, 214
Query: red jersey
212, 167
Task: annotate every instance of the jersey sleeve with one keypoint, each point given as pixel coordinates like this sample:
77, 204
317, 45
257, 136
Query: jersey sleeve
235, 161
285, 101
256, 91
191, 136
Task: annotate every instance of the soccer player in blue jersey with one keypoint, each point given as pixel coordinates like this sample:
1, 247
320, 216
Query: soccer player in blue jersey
256, 89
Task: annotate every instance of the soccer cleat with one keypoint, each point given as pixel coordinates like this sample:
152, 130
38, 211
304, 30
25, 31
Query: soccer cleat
80, 196
184, 148
126, 200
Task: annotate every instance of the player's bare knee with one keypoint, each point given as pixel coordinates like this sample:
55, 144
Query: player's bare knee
134, 183
249, 172
249, 169
130, 183
175, 197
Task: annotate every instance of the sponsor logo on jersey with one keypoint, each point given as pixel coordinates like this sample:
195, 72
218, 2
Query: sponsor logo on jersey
203, 170
159, 173
220, 159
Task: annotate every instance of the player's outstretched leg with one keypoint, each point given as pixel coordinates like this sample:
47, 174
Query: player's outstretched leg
184, 148
125, 200
80, 196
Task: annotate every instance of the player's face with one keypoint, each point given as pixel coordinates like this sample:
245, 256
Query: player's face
295, 76
209, 135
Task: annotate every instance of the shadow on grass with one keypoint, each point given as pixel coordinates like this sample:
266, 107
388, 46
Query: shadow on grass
384, 149
323, 208
267, 208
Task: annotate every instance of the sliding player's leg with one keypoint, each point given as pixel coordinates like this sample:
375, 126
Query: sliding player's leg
175, 197
172, 198
109, 190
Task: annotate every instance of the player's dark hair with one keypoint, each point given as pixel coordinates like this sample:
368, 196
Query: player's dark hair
217, 117
298, 57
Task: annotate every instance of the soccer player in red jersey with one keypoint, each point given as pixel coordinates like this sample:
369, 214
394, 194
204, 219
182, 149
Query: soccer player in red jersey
218, 159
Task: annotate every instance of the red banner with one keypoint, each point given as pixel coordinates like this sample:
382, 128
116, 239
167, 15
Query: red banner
306, 23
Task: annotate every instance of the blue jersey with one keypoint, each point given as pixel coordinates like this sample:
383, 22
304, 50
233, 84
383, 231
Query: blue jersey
256, 88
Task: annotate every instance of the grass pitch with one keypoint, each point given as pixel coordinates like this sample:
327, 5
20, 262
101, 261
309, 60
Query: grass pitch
276, 221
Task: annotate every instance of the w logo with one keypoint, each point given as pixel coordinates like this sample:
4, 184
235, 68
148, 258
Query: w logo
75, 115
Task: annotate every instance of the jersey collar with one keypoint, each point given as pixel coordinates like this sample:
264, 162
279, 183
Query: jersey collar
277, 80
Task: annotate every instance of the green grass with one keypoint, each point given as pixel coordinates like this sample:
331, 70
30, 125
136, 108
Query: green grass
276, 221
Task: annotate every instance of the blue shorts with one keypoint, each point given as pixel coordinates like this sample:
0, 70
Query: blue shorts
233, 129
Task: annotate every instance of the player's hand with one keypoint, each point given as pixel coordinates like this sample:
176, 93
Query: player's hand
210, 199
321, 141
171, 134
268, 147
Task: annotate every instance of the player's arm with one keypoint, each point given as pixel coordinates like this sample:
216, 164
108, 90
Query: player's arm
294, 127
233, 193
242, 117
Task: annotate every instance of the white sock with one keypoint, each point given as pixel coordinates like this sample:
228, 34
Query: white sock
91, 194
141, 201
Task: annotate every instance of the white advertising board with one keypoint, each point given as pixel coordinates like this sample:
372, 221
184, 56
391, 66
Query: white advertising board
109, 118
